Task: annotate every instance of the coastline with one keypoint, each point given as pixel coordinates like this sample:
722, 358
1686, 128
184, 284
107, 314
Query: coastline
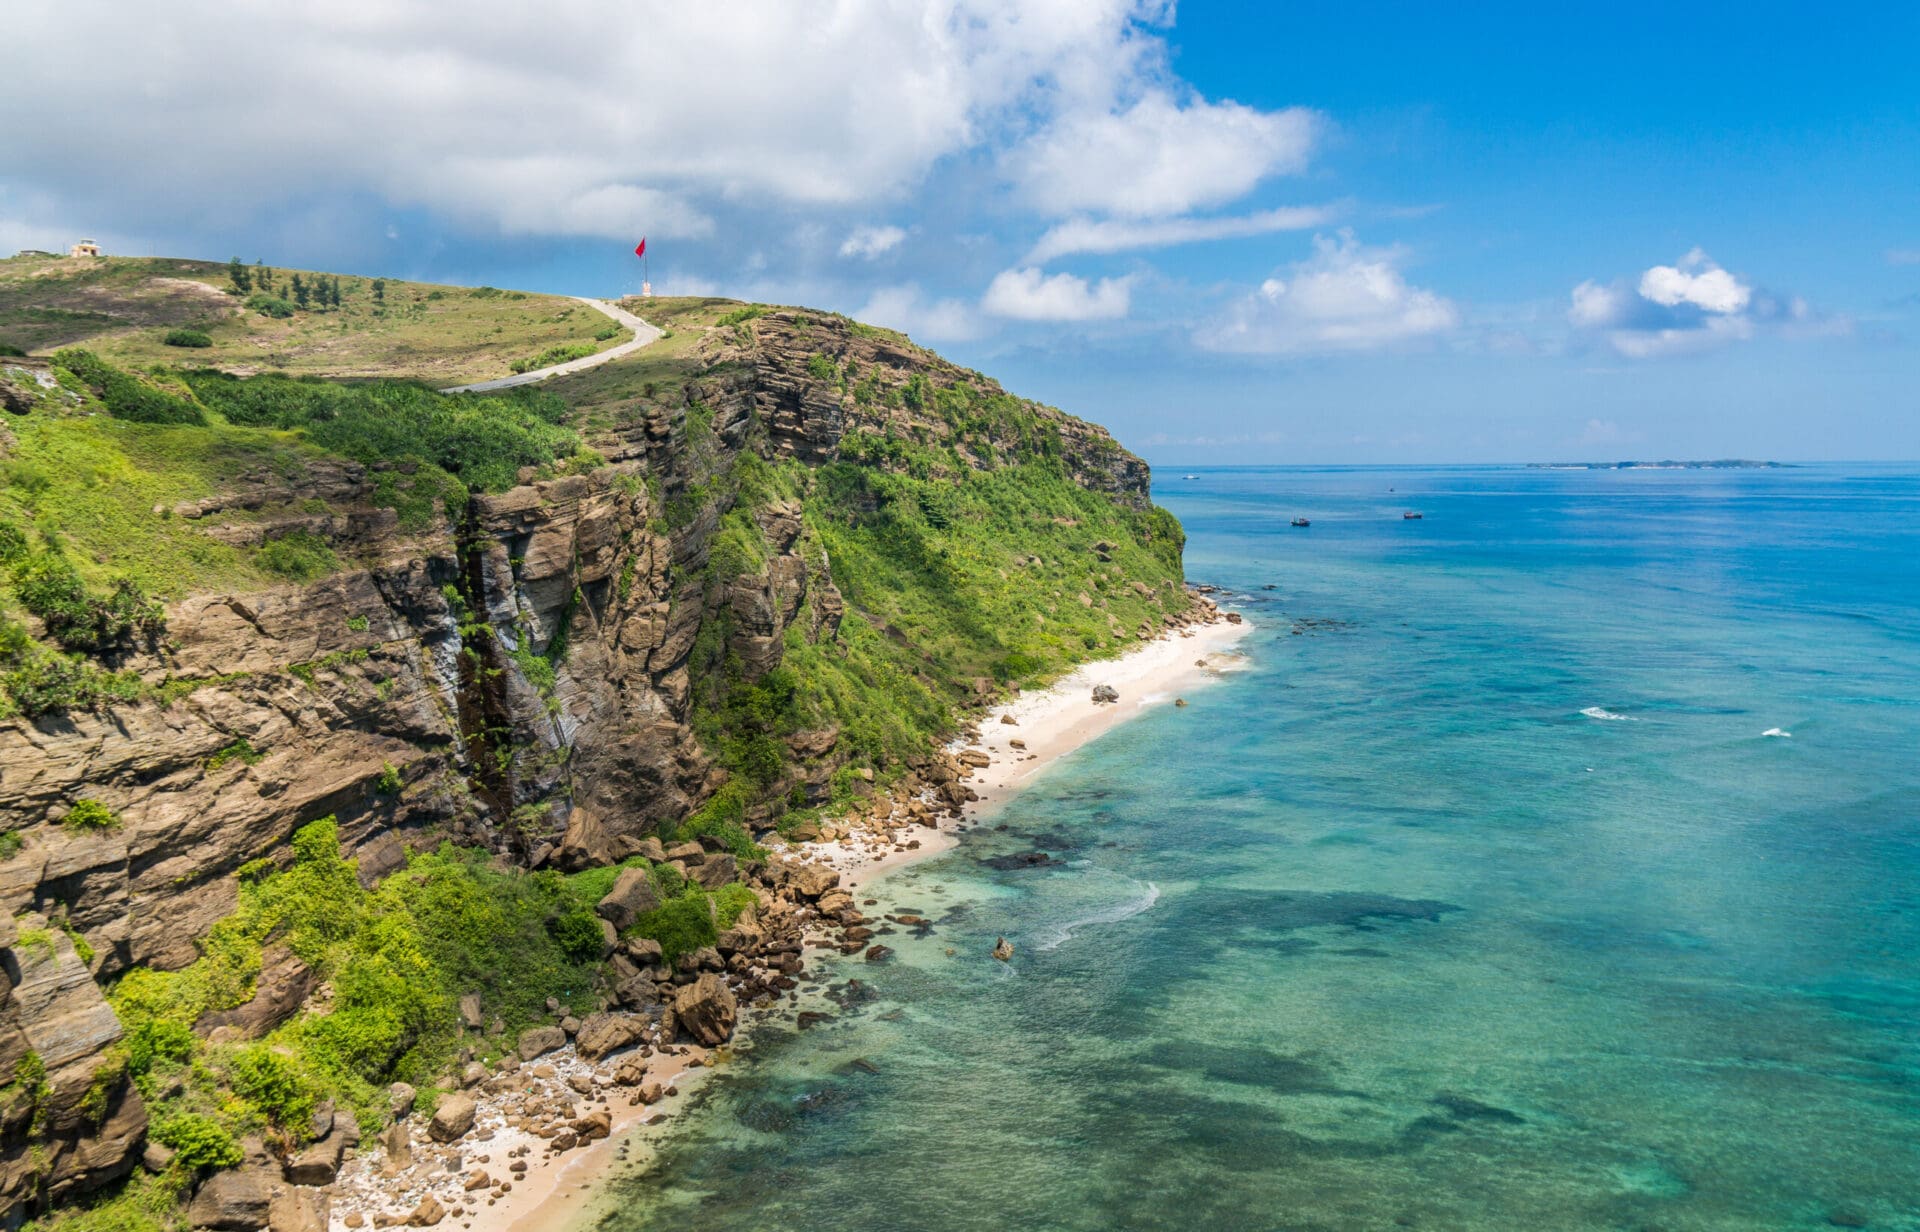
1046, 725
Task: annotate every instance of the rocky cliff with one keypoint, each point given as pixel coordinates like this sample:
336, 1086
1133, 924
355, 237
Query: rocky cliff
545, 672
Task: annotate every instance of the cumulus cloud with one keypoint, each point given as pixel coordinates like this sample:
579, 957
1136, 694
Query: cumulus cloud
1346, 297
600, 117
907, 309
871, 242
1159, 156
1691, 306
1029, 295
1080, 235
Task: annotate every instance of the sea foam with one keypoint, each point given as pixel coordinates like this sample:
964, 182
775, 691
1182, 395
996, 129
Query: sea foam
1595, 712
1058, 935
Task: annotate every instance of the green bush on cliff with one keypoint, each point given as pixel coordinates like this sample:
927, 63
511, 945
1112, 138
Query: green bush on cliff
125, 395
197, 1141
298, 555
483, 440
397, 957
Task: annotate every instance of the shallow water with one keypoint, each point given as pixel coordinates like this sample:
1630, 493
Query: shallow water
1485, 904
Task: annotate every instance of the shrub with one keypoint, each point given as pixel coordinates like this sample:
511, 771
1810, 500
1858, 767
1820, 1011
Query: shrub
187, 338
90, 815
577, 933
7, 348
10, 844
275, 1089
389, 783
484, 440
49, 587
198, 1141
564, 353
127, 396
298, 555
158, 1040
271, 305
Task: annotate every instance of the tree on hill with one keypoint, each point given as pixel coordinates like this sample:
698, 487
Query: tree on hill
379, 290
301, 291
263, 275
242, 277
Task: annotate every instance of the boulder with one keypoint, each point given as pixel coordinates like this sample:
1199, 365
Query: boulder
705, 1009
400, 1097
470, 1016
539, 1041
399, 1148
632, 896
1105, 694
717, 870
236, 1201
687, 853
319, 1163
298, 1210
813, 880
1003, 950
453, 1118
603, 1034
427, 1214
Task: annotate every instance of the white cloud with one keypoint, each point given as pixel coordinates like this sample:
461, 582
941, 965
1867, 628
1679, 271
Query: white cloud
1903, 256
1079, 235
1697, 281
1159, 156
871, 242
1345, 297
1029, 295
1689, 307
906, 309
528, 119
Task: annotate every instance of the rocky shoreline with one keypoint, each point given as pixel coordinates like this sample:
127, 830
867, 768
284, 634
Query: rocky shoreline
497, 1153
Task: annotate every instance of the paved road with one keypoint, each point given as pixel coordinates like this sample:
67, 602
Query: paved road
643, 334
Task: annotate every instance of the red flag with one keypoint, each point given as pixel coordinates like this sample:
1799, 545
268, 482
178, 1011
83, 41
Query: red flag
640, 250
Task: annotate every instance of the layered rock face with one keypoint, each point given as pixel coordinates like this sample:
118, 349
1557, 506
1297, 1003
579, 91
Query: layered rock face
420, 696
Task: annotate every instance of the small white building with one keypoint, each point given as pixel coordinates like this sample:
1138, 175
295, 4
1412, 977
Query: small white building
85, 248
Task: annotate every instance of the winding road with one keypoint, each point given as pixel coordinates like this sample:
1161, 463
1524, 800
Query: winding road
643, 334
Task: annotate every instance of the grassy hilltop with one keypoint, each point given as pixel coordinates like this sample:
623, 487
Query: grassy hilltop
124, 308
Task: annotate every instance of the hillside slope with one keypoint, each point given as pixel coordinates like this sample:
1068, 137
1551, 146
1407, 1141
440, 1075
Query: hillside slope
717, 589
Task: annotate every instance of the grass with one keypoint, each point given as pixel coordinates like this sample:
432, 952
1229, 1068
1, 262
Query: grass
123, 307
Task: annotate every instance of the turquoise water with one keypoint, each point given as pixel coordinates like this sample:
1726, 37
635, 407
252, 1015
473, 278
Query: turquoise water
1397, 928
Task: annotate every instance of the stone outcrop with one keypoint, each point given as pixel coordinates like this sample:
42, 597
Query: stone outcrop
705, 1009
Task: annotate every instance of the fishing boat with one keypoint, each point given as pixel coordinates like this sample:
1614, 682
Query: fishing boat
1300, 522
1411, 516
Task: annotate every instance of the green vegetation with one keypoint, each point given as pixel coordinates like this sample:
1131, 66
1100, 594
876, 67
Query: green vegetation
398, 957
186, 338
481, 441
299, 555
270, 306
126, 396
555, 355
240, 750
90, 815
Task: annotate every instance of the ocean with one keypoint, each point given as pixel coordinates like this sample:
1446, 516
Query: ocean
1554, 864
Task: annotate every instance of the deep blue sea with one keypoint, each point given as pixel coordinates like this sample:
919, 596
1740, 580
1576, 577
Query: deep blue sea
1483, 899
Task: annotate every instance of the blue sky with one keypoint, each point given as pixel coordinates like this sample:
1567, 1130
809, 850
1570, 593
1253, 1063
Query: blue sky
1232, 233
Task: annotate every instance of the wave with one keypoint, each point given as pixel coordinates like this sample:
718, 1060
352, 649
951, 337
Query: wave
1058, 935
1774, 731
1595, 712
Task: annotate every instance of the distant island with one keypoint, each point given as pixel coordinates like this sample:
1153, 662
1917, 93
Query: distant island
1718, 464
